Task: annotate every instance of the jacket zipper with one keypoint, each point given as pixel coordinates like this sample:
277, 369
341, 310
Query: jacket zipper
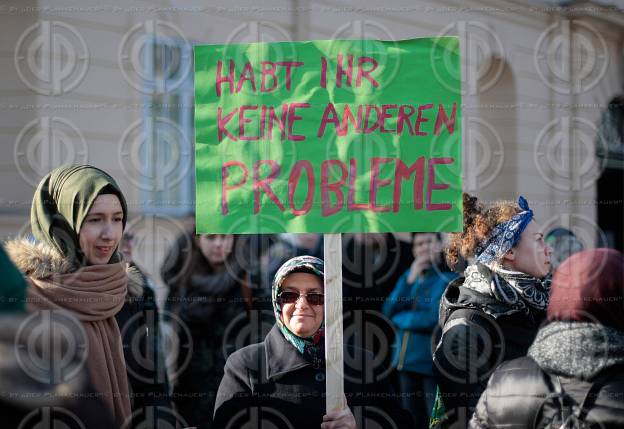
403, 350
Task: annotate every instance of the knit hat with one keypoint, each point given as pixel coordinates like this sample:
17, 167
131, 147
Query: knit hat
589, 287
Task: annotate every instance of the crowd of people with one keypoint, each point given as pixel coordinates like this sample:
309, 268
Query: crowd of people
501, 325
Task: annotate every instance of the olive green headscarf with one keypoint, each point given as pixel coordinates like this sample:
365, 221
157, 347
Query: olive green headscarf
61, 203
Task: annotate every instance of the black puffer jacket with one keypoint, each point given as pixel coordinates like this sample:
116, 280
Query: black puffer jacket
577, 356
478, 334
270, 384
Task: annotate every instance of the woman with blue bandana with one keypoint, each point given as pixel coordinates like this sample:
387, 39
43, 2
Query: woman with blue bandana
492, 313
280, 382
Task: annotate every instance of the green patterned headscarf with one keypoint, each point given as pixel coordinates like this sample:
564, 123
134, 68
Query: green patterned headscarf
312, 348
61, 203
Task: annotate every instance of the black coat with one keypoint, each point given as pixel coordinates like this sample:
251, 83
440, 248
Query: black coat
517, 391
139, 325
473, 343
271, 382
370, 273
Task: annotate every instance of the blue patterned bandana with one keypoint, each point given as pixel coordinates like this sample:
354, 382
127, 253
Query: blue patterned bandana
313, 348
505, 235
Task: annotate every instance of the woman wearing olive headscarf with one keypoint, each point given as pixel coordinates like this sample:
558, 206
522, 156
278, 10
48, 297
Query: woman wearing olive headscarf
77, 218
281, 381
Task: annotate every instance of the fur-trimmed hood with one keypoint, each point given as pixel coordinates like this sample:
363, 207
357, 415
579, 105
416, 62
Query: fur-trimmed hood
40, 261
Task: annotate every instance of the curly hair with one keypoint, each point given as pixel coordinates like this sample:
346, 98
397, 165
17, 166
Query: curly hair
479, 220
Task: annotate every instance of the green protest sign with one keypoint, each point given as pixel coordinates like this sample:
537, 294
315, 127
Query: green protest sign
328, 136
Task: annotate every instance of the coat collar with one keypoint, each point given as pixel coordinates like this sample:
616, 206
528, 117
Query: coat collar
281, 356
457, 296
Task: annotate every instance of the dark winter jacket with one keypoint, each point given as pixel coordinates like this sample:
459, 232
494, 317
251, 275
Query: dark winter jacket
413, 310
478, 333
139, 326
576, 356
270, 384
369, 274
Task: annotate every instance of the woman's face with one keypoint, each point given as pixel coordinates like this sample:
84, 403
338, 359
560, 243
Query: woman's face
102, 229
531, 255
426, 247
216, 247
302, 318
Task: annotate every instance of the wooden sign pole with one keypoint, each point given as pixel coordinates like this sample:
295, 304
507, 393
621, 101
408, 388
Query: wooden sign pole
334, 379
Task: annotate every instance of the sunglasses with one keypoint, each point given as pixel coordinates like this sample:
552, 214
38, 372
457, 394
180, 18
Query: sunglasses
289, 297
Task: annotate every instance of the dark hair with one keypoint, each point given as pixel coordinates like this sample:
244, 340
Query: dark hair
199, 258
437, 234
110, 190
441, 264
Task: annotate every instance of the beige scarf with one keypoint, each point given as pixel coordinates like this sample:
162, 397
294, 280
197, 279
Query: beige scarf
94, 294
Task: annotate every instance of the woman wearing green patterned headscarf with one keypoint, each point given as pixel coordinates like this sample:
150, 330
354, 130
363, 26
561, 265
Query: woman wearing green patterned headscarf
281, 380
77, 218
293, 355
301, 320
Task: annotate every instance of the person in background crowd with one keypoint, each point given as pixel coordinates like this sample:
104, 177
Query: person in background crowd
208, 296
563, 243
371, 267
254, 254
280, 382
287, 247
139, 323
291, 245
77, 218
492, 314
573, 375
413, 308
